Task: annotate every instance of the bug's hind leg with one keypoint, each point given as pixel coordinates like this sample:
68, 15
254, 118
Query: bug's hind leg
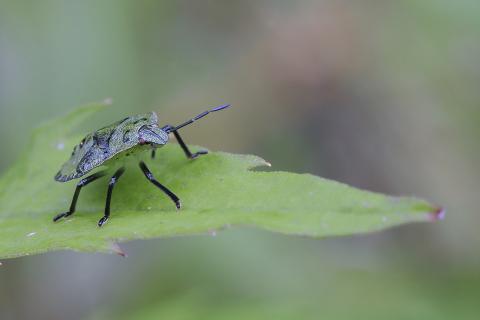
80, 184
151, 178
182, 144
111, 184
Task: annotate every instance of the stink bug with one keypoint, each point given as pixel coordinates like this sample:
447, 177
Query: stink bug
108, 145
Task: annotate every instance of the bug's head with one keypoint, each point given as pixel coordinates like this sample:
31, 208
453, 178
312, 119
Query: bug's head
152, 135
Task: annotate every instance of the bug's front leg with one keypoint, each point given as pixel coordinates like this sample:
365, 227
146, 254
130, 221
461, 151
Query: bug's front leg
80, 184
151, 178
182, 144
111, 184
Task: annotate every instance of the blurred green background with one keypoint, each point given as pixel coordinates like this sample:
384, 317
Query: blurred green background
382, 95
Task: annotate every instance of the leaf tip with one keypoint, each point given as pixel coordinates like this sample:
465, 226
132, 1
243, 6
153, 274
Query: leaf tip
438, 214
257, 162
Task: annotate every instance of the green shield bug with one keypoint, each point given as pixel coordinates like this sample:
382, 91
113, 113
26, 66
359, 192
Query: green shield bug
106, 146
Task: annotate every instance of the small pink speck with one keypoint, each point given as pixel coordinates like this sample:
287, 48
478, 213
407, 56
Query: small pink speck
116, 248
438, 214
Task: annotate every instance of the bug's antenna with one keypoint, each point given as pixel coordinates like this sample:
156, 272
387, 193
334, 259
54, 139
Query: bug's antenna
201, 115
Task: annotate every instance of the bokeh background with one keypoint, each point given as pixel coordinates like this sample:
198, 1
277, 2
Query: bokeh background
382, 95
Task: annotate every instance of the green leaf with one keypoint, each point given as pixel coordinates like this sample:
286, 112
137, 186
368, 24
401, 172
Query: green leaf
217, 191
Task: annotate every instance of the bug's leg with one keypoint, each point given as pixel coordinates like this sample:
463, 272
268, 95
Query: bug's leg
153, 153
111, 184
182, 144
152, 179
80, 184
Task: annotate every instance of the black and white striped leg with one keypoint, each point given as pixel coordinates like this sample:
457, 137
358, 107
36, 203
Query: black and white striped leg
80, 184
151, 178
111, 184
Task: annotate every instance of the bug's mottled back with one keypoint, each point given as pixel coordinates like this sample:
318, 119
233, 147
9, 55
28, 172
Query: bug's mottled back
104, 144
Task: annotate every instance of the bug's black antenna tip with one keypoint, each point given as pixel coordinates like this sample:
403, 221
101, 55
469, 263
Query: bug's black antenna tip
225, 106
